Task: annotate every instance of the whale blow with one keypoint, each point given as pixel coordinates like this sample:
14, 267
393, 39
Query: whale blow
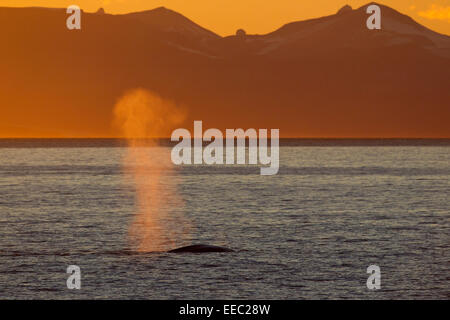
200, 248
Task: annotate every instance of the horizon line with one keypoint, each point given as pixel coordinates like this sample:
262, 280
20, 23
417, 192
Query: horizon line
224, 138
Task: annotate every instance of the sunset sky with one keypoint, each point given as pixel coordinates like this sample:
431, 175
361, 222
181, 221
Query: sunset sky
255, 16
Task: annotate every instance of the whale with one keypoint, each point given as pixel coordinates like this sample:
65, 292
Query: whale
200, 248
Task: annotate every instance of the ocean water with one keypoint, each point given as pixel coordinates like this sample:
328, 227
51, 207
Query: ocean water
309, 232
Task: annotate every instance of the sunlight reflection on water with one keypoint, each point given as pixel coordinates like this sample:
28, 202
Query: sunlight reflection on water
308, 232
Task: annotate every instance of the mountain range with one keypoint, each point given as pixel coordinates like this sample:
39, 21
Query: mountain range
324, 77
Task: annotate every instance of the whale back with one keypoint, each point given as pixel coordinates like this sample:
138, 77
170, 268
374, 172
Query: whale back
200, 248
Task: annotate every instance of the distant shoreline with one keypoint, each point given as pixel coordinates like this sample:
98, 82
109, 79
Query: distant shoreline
284, 142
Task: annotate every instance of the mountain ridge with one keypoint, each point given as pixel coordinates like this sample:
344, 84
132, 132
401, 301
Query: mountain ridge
162, 10
322, 79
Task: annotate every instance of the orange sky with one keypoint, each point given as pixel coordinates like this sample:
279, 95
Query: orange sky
255, 16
